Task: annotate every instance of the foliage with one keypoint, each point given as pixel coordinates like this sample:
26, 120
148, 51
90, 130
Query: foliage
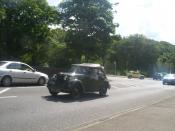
89, 24
133, 53
24, 30
86, 36
58, 52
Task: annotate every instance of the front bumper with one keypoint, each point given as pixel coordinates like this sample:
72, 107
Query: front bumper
57, 86
169, 81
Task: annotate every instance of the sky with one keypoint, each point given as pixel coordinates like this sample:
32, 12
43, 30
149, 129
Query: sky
154, 19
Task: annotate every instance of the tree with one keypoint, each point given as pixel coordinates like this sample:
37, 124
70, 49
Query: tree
89, 24
24, 31
59, 55
134, 53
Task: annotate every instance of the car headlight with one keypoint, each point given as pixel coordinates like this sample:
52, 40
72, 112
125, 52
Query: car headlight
69, 78
72, 78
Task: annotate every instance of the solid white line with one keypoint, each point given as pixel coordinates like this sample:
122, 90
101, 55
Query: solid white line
4, 90
99, 121
8, 97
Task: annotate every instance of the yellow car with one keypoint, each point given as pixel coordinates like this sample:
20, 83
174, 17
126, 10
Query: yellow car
135, 74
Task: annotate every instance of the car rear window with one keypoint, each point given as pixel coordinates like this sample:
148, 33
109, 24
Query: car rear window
2, 63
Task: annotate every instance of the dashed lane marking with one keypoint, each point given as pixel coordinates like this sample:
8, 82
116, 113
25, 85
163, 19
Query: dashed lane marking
4, 90
5, 97
28, 87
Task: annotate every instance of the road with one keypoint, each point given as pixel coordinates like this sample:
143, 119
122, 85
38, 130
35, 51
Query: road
32, 108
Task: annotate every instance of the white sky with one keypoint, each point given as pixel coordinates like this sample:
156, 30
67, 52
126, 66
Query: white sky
153, 18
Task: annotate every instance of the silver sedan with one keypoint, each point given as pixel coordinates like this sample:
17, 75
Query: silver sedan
169, 79
18, 72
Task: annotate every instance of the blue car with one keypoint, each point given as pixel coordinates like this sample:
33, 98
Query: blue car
158, 76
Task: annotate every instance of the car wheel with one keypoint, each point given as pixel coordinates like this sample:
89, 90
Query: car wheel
141, 77
41, 81
53, 93
76, 92
6, 81
103, 91
129, 77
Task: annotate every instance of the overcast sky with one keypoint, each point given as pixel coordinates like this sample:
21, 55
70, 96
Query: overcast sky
153, 18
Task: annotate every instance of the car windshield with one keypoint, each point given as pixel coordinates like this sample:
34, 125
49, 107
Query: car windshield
170, 75
79, 69
2, 63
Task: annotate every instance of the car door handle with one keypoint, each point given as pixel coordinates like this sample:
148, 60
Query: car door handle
24, 72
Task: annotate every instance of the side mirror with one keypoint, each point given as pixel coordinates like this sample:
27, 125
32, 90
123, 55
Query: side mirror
34, 70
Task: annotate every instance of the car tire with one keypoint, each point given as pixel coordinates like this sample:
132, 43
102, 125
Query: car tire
53, 93
41, 81
164, 83
129, 77
141, 77
6, 81
103, 91
76, 92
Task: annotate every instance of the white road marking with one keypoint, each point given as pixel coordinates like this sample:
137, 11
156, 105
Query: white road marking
4, 90
4, 97
30, 87
104, 119
99, 121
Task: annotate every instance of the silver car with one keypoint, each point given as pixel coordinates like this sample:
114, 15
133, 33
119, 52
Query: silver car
169, 79
18, 72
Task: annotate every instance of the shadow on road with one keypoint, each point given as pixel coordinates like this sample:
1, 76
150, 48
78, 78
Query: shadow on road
67, 98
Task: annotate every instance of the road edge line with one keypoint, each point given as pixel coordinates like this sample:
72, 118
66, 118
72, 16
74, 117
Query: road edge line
101, 120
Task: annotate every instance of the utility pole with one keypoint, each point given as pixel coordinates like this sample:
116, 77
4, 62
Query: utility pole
115, 64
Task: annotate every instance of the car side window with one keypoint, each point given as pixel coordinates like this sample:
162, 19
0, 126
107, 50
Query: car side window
14, 66
25, 67
93, 74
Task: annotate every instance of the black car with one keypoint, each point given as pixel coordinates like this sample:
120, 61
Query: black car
80, 79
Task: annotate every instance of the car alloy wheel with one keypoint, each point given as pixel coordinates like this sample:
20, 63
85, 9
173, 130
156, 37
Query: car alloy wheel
6, 81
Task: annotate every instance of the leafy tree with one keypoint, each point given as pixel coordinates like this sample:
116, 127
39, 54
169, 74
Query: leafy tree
24, 30
59, 55
133, 53
89, 24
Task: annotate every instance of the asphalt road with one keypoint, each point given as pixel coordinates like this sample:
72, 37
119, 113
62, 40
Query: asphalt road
32, 108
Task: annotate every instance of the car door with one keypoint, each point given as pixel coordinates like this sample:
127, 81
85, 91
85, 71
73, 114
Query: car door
14, 70
29, 75
93, 80
85, 78
101, 79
